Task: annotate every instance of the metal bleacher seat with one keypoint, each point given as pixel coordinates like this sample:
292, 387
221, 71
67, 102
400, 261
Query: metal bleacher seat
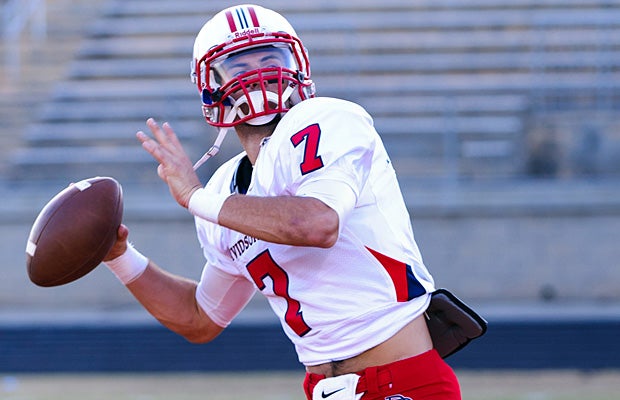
448, 82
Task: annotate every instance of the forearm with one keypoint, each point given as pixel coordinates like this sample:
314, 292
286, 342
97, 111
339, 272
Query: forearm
169, 298
297, 221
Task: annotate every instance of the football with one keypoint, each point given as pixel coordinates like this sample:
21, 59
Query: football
74, 231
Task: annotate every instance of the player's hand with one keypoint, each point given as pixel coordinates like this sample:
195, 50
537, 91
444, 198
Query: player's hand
175, 167
120, 246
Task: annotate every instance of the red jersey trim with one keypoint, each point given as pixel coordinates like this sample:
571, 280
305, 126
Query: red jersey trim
405, 282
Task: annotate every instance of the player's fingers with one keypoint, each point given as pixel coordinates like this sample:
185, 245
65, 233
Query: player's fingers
142, 137
153, 126
165, 136
151, 146
156, 130
147, 142
171, 134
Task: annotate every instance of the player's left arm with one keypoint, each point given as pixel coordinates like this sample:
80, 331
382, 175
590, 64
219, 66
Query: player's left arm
303, 221
321, 169
293, 220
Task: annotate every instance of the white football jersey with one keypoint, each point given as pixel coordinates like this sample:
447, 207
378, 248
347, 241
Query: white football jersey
333, 303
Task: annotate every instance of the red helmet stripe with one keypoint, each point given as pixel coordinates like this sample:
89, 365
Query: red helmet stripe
253, 16
242, 18
231, 21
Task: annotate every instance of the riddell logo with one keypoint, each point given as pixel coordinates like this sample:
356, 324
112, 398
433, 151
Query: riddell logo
247, 32
398, 397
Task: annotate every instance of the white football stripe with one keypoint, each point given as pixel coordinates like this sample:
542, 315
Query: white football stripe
83, 185
31, 248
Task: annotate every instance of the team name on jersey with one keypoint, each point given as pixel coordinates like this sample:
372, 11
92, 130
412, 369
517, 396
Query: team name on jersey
237, 249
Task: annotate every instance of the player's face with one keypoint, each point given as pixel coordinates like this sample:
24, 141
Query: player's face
245, 65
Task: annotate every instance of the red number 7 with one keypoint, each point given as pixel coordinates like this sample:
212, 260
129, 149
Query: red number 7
312, 135
264, 266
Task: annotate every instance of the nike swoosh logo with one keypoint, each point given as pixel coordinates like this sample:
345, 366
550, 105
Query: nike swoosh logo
326, 395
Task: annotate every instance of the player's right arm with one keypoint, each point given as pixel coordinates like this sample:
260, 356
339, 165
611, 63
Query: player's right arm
169, 298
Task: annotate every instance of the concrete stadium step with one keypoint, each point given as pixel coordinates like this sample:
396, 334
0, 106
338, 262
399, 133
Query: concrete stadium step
413, 172
71, 162
348, 21
320, 43
412, 63
461, 83
188, 108
479, 126
96, 133
127, 162
123, 88
128, 8
122, 109
362, 86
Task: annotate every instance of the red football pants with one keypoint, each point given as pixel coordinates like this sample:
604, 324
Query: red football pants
423, 377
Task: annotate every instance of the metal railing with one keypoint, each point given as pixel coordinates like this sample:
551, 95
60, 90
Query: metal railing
16, 16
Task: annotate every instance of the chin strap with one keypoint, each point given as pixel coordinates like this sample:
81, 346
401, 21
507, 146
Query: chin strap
213, 150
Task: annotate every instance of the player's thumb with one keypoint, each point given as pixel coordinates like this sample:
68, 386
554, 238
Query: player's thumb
120, 245
161, 173
122, 234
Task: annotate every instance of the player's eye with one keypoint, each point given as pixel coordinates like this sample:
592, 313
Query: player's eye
236, 74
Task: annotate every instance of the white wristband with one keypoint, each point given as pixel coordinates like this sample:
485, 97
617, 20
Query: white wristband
206, 205
128, 266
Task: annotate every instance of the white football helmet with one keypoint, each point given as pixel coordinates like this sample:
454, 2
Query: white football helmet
277, 77
249, 66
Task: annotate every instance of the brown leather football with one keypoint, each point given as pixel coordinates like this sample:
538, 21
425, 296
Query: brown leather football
74, 231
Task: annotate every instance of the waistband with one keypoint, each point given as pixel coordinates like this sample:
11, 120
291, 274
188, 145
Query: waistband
409, 371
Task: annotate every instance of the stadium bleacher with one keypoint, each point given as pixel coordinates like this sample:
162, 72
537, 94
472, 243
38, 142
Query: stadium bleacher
450, 84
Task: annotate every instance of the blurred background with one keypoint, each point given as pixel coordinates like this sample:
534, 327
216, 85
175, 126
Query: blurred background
501, 117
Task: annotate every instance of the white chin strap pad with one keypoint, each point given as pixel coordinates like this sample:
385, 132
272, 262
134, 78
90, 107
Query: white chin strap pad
256, 100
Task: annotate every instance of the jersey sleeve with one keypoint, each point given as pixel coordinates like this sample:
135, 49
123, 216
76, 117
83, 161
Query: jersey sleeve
221, 295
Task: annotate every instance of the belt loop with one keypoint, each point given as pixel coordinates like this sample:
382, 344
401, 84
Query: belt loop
372, 379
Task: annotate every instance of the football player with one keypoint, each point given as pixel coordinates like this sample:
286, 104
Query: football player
310, 214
